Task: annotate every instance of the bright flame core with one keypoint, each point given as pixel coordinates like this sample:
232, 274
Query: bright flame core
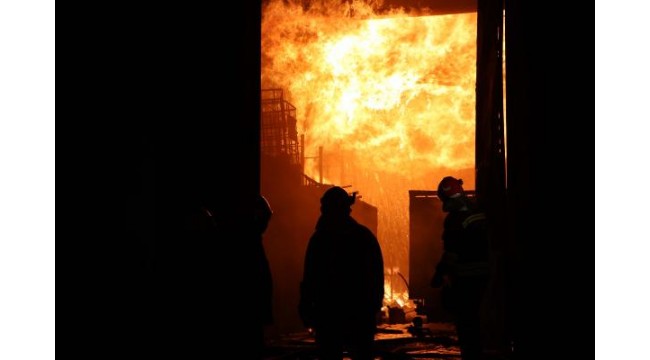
389, 98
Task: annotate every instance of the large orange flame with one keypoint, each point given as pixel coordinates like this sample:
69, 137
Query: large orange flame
390, 98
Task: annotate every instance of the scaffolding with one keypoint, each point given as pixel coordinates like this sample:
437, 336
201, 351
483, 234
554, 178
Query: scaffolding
279, 133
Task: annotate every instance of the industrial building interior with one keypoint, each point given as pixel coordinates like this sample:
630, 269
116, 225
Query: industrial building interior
281, 154
382, 104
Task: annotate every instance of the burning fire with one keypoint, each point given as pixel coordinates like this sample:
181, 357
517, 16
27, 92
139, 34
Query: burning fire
392, 282
389, 97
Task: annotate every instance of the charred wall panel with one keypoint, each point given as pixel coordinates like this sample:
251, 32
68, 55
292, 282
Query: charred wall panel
296, 208
425, 249
295, 212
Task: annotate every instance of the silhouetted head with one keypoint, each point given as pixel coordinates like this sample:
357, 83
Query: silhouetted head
262, 214
417, 322
336, 201
449, 188
451, 193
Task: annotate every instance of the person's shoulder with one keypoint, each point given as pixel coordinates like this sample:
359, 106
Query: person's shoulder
458, 218
365, 231
454, 216
317, 237
474, 219
477, 212
317, 234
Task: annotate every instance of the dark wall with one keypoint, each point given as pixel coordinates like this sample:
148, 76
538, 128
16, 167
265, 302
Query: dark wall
491, 167
193, 141
543, 263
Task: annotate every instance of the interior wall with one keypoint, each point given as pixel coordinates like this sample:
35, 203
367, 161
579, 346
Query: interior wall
198, 118
491, 166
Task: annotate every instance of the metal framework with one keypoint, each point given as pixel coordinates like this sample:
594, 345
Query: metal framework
279, 133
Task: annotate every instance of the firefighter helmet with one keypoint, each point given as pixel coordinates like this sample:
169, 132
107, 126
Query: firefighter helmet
449, 188
336, 198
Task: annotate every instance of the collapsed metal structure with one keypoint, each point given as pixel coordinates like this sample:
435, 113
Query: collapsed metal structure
279, 134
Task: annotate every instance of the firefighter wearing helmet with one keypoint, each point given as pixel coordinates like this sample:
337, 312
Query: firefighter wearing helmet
462, 271
342, 288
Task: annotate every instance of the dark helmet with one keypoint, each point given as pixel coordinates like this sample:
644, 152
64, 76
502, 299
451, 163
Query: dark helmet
450, 188
336, 200
261, 213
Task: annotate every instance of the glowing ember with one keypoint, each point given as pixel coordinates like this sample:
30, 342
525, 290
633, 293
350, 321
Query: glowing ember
390, 98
